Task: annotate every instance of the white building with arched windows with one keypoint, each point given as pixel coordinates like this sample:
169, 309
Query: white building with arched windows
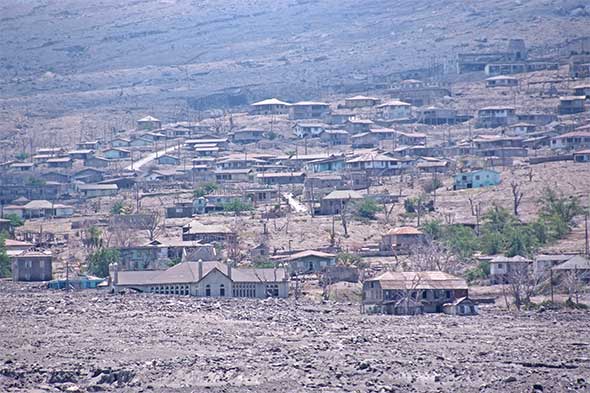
204, 279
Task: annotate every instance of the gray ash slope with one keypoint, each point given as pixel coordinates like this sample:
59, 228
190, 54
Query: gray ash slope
85, 55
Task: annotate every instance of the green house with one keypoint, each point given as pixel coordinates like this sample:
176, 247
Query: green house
476, 179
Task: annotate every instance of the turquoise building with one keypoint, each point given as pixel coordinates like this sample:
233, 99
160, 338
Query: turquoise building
476, 179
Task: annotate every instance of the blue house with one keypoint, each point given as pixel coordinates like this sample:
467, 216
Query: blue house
329, 164
167, 159
476, 179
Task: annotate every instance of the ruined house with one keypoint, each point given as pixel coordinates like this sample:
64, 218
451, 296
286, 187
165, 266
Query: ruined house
410, 293
32, 266
308, 261
495, 116
502, 267
336, 201
361, 102
308, 110
571, 105
207, 233
501, 81
394, 110
335, 137
248, 135
149, 123
402, 239
575, 140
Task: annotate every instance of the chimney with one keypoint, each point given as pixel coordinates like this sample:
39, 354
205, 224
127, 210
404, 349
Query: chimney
114, 275
200, 265
229, 263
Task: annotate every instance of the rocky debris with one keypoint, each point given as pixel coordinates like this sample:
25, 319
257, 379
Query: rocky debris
92, 342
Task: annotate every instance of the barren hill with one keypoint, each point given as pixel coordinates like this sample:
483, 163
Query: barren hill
57, 57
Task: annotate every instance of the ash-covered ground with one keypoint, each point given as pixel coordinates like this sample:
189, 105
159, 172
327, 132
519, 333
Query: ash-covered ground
94, 341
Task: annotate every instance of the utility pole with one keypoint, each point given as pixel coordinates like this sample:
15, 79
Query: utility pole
587, 248
67, 274
551, 282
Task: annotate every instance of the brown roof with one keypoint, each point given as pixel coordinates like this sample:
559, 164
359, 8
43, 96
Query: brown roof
420, 280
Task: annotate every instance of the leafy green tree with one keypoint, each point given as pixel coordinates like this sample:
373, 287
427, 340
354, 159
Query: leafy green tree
205, 189
5, 267
367, 208
433, 228
479, 272
22, 156
237, 206
461, 240
118, 208
99, 261
15, 220
521, 241
558, 213
498, 219
566, 208
348, 259
94, 236
492, 242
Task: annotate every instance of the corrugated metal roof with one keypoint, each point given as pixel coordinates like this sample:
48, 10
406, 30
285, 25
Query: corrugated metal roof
420, 280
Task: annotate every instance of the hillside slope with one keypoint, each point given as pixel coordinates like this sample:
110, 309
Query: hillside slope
72, 55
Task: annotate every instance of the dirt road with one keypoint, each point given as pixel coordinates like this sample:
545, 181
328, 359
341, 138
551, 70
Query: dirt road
136, 166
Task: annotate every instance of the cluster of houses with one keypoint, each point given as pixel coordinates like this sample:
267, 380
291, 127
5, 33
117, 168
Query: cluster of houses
362, 137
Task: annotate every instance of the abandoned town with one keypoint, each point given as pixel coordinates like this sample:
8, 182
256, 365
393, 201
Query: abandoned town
295, 196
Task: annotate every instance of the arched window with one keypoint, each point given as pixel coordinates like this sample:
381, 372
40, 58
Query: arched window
207, 290
221, 290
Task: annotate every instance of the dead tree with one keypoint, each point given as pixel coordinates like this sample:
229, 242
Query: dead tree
344, 216
476, 212
432, 256
517, 195
154, 225
522, 283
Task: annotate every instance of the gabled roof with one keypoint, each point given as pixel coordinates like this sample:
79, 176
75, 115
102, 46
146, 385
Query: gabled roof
501, 77
309, 253
148, 118
577, 262
369, 157
343, 194
419, 280
86, 187
405, 231
38, 204
188, 272
195, 227
271, 101
514, 259
575, 134
362, 98
309, 103
394, 103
